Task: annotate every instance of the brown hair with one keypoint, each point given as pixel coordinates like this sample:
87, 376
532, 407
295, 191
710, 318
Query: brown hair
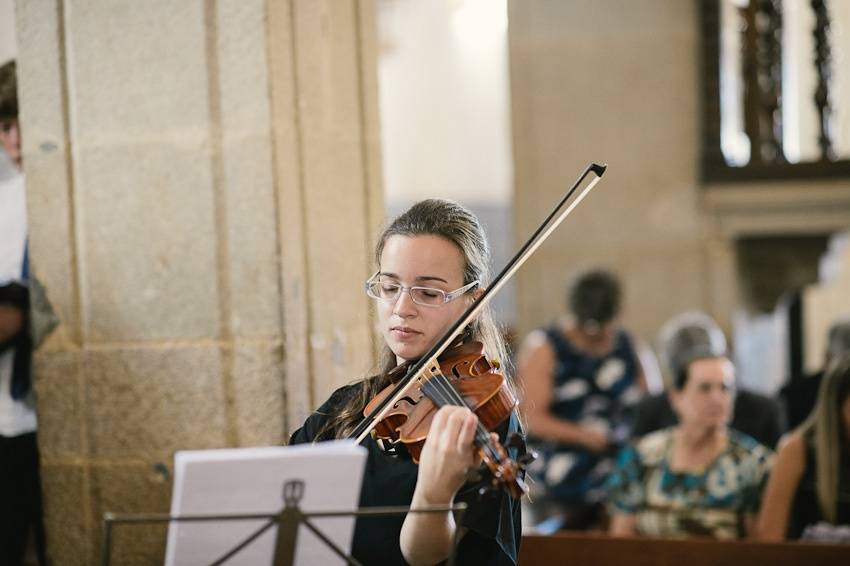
8, 91
825, 430
449, 220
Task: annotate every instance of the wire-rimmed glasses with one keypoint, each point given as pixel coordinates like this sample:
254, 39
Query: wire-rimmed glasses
388, 290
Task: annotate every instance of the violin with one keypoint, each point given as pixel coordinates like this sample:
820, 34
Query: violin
461, 375
465, 374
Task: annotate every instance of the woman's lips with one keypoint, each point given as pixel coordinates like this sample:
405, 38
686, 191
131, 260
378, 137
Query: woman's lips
403, 333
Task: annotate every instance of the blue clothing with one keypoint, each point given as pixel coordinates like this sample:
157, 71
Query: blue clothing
711, 502
598, 392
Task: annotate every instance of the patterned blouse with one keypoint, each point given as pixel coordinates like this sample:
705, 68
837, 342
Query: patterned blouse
711, 503
598, 392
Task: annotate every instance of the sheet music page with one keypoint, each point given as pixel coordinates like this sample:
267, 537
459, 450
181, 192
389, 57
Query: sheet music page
250, 480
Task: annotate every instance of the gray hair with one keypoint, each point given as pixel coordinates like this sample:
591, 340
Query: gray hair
839, 339
688, 336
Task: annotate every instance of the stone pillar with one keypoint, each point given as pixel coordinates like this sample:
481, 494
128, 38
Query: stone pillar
608, 81
204, 190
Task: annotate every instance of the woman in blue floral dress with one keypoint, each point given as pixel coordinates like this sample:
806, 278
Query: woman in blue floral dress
582, 380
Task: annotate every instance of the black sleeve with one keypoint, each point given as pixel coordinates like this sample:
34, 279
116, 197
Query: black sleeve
759, 416
314, 423
307, 432
494, 520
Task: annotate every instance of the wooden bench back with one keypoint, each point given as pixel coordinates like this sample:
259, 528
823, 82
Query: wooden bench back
600, 550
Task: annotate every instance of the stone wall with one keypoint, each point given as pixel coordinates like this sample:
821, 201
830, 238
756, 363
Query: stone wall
204, 190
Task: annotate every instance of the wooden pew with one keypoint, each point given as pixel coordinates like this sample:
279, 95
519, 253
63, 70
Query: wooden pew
601, 550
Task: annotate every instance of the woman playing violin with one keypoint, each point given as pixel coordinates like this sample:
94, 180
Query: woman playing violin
433, 262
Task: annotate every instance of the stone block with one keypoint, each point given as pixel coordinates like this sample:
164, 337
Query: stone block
135, 72
249, 222
153, 400
67, 515
56, 380
149, 249
258, 393
132, 488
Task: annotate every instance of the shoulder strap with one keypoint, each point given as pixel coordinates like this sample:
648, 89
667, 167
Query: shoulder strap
25, 270
559, 342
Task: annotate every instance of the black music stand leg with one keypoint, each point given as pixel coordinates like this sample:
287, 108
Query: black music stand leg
107, 540
287, 536
330, 544
233, 551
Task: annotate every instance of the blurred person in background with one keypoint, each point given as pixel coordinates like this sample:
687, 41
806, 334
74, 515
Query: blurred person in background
699, 478
808, 495
20, 484
799, 397
581, 378
753, 414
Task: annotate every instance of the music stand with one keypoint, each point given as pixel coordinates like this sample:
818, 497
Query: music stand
287, 521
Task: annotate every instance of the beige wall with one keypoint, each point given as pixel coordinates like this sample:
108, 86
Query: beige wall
612, 81
203, 192
445, 108
8, 45
827, 303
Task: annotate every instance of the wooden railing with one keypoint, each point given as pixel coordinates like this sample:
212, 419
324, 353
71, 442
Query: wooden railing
600, 550
761, 75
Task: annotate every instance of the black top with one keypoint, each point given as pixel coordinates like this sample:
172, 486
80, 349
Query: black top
805, 510
390, 478
753, 414
800, 397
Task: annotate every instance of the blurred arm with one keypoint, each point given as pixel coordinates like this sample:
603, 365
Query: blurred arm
535, 367
785, 476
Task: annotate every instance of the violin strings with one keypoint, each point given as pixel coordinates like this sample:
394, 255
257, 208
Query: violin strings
447, 395
450, 396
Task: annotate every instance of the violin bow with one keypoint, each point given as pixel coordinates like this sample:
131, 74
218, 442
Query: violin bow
586, 181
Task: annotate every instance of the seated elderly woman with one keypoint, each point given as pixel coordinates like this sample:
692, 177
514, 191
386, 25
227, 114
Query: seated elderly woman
699, 477
810, 484
753, 414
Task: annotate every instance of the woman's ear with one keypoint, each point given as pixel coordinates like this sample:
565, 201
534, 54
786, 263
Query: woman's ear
476, 294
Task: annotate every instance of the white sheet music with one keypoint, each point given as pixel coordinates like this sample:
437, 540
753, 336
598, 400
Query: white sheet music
250, 480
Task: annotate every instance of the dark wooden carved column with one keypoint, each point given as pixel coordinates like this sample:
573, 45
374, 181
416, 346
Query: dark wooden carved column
760, 66
823, 66
761, 58
712, 155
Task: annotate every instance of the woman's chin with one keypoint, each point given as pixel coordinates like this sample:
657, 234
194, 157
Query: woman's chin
406, 351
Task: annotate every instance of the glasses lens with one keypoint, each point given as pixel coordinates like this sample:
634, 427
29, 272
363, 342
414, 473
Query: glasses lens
383, 289
428, 296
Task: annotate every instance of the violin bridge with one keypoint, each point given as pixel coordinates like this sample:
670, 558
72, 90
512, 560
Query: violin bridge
431, 369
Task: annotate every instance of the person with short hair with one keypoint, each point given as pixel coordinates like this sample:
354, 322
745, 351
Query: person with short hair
755, 415
699, 478
20, 483
581, 377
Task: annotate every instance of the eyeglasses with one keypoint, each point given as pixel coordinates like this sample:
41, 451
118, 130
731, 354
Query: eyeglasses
386, 290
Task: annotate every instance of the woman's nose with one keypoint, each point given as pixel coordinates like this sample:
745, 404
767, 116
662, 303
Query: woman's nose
404, 305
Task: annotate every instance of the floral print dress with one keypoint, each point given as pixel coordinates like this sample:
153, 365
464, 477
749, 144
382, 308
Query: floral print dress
710, 503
